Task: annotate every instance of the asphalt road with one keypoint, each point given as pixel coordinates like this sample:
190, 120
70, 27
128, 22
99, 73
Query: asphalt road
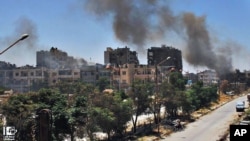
209, 127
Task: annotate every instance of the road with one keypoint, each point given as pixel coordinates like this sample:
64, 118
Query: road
209, 127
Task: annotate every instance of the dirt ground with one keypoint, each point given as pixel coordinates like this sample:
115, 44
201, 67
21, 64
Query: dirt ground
165, 132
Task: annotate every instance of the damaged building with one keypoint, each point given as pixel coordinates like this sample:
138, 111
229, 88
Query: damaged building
165, 56
120, 56
55, 58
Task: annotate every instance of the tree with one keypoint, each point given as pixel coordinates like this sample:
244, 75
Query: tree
77, 113
224, 86
123, 111
199, 96
140, 94
105, 118
177, 80
18, 111
102, 84
53, 100
173, 94
111, 113
170, 98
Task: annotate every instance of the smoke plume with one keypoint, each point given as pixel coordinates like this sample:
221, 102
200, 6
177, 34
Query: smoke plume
200, 51
21, 52
25, 50
141, 21
25, 25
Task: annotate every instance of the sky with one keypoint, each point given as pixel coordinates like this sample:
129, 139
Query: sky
211, 34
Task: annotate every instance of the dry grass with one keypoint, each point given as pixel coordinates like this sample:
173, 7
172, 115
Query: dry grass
223, 98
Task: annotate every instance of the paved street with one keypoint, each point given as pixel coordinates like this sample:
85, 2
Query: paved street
209, 127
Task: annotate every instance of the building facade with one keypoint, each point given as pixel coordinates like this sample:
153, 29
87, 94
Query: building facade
120, 56
159, 55
55, 58
55, 66
208, 77
126, 74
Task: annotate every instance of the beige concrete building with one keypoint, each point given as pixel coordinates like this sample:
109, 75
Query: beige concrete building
65, 75
21, 78
124, 76
208, 77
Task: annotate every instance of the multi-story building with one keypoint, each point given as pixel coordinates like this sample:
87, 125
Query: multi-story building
120, 56
54, 66
208, 77
124, 76
159, 55
64, 75
21, 78
247, 74
56, 58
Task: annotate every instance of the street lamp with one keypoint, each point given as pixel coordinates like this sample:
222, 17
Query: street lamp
157, 91
24, 36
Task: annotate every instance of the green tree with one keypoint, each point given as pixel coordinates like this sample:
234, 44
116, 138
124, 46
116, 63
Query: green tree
177, 80
103, 83
53, 100
19, 110
114, 110
2, 89
173, 94
65, 87
200, 96
170, 98
105, 118
140, 93
123, 111
77, 113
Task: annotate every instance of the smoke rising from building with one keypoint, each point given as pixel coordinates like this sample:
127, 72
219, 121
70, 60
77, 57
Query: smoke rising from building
141, 21
25, 49
200, 50
28, 48
25, 25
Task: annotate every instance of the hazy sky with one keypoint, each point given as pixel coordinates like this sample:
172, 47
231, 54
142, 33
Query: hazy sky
84, 28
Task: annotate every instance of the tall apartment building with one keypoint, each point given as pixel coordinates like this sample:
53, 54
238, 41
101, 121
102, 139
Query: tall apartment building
120, 56
157, 55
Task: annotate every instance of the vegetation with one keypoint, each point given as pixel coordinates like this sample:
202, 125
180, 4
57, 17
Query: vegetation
80, 109
200, 97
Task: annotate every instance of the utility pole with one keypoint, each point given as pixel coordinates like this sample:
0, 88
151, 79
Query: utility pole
157, 103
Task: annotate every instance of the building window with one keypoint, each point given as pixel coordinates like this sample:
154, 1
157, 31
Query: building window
24, 73
54, 74
123, 72
38, 73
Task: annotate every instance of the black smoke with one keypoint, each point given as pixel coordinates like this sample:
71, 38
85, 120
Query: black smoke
141, 21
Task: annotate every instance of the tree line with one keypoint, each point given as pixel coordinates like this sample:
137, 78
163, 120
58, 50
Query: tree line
80, 109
